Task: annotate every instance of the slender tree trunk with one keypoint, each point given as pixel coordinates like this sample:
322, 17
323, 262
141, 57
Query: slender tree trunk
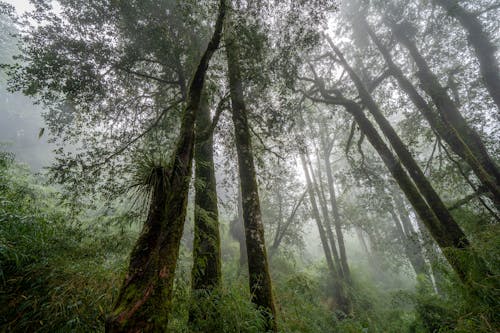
144, 299
258, 268
206, 272
279, 236
481, 43
417, 261
447, 133
411, 235
451, 115
340, 297
335, 210
326, 218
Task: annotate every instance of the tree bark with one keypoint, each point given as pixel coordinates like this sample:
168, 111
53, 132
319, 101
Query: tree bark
206, 271
481, 43
258, 267
451, 115
144, 299
447, 133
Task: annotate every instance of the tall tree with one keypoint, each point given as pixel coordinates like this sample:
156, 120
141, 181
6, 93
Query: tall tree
450, 237
206, 271
258, 267
339, 294
145, 296
327, 148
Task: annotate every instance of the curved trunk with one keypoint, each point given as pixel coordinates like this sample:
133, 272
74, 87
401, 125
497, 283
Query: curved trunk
258, 267
143, 302
206, 272
482, 44
447, 133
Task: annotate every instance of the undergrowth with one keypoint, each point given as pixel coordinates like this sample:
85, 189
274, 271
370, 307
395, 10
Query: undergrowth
61, 274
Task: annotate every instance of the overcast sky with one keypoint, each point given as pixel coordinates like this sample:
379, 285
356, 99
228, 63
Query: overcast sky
21, 5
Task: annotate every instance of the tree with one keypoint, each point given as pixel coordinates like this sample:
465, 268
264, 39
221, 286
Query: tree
143, 302
258, 267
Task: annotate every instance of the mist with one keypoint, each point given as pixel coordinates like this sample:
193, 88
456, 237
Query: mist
249, 166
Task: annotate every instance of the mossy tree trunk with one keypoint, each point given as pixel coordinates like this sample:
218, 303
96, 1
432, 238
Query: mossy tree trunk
206, 271
482, 44
447, 133
451, 115
258, 267
144, 299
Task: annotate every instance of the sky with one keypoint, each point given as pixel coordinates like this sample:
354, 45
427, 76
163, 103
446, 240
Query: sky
21, 5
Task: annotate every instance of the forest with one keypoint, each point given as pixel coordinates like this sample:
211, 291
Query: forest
250, 166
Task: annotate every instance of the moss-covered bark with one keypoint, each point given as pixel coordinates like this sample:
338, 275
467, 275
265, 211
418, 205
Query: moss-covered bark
206, 271
447, 133
483, 46
144, 298
452, 116
258, 267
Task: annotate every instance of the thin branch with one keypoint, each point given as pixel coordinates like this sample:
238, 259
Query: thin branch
147, 76
264, 145
134, 140
469, 182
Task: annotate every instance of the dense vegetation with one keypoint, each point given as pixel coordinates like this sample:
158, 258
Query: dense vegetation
228, 166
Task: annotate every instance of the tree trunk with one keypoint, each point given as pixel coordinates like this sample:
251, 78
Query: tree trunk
237, 230
326, 218
206, 272
335, 210
450, 239
412, 238
417, 261
451, 115
258, 268
449, 228
144, 299
447, 133
481, 42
